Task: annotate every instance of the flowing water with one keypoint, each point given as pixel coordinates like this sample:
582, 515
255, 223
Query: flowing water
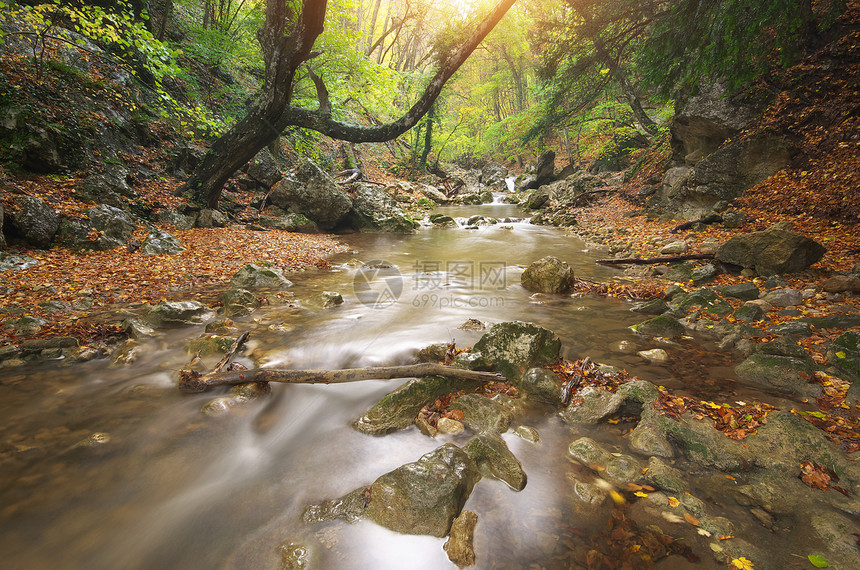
165, 486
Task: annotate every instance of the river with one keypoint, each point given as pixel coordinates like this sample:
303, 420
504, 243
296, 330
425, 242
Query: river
165, 486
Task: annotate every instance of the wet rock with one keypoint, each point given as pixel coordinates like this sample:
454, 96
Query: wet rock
449, 426
548, 275
255, 277
138, 329
313, 193
837, 532
622, 469
219, 406
844, 354
443, 220
661, 326
434, 353
482, 415
703, 298
422, 497
700, 442
250, 390
780, 373
511, 348
459, 546
173, 314
783, 346
537, 200
648, 440
589, 453
656, 355
674, 248
770, 252
664, 476
784, 297
589, 493
597, 404
294, 556
325, 300
528, 433
209, 344
36, 345
542, 384
35, 221
239, 302
115, 226
94, 440
842, 284
433, 194
495, 460
127, 352
159, 242
652, 307
398, 409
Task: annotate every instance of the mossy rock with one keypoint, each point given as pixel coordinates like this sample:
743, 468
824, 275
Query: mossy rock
661, 326
511, 348
496, 461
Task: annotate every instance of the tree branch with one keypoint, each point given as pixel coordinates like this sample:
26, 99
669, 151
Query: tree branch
191, 382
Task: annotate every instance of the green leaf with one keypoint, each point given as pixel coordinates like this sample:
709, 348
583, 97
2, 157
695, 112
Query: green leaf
818, 415
818, 561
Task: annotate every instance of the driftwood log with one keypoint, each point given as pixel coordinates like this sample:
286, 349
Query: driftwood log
652, 260
192, 382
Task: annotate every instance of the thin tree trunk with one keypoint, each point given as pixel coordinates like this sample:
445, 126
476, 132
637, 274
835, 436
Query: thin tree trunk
191, 382
372, 27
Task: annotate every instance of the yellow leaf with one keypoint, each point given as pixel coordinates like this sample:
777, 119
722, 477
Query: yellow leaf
673, 502
640, 494
742, 563
617, 497
840, 354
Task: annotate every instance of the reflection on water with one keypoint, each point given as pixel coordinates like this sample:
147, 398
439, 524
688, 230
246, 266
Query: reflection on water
175, 489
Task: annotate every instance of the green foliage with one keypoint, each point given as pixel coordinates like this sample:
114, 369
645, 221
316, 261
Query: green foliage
737, 40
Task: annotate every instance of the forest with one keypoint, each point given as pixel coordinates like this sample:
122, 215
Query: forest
385, 283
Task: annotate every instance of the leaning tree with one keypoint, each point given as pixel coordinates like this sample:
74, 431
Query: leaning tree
287, 39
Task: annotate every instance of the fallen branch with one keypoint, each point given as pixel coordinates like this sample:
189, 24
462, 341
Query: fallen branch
237, 344
651, 260
710, 219
192, 382
585, 198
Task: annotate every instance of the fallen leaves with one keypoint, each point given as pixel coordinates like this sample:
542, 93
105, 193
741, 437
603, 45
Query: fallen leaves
819, 476
735, 422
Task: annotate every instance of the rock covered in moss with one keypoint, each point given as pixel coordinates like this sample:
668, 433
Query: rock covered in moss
780, 373
254, 277
496, 461
173, 314
481, 414
239, 302
511, 348
661, 326
548, 275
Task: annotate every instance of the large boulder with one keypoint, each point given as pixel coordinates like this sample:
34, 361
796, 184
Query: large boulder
422, 497
374, 210
115, 226
493, 175
109, 187
545, 170
35, 221
704, 121
773, 251
511, 348
254, 277
313, 193
263, 169
548, 275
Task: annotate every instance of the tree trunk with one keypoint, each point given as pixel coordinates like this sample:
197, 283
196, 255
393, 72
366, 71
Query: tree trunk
271, 113
372, 26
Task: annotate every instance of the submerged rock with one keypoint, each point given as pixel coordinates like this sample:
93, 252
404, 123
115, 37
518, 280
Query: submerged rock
459, 547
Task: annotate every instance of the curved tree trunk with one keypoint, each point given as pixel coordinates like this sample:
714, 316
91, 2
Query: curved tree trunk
284, 50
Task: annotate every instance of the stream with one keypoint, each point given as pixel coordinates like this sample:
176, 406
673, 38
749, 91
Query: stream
110, 467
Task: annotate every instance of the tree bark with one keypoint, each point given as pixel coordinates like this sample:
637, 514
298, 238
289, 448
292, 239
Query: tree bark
284, 50
191, 382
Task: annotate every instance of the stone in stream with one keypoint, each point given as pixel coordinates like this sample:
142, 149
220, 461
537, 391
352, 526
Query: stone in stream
660, 326
325, 300
482, 414
239, 302
459, 547
511, 348
780, 373
398, 409
548, 275
173, 314
495, 460
542, 384
254, 277
664, 476
422, 497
